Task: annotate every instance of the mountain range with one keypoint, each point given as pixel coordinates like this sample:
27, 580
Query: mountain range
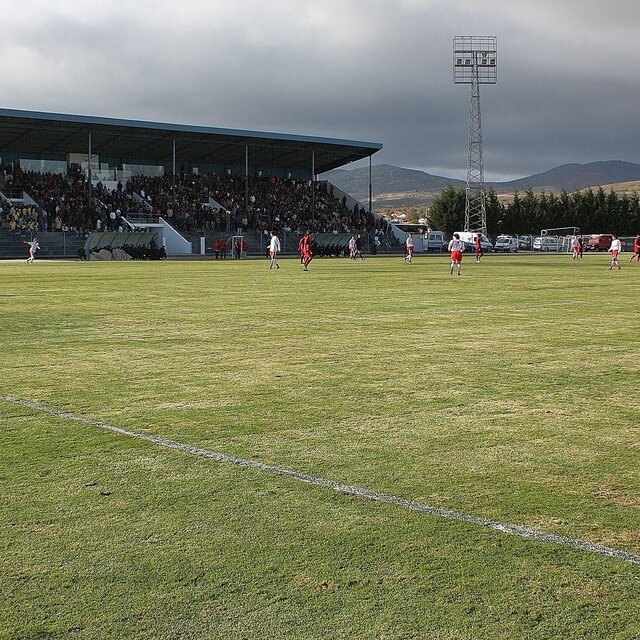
397, 186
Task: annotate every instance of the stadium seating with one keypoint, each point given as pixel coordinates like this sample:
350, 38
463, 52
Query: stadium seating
190, 205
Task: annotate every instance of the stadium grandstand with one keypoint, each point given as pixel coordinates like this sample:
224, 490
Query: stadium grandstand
194, 188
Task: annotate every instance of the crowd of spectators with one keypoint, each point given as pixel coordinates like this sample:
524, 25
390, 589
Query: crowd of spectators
194, 204
209, 203
21, 219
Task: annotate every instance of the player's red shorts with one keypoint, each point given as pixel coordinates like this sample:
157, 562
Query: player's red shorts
307, 255
410, 250
272, 254
614, 254
456, 256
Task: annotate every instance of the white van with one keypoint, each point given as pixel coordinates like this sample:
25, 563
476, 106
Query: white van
507, 244
433, 240
546, 243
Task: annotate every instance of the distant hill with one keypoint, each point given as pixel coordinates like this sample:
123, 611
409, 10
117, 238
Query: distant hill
573, 177
620, 188
397, 187
388, 178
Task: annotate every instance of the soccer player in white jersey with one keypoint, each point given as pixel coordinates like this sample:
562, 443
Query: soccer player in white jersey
409, 249
33, 247
274, 249
352, 247
575, 248
615, 248
456, 246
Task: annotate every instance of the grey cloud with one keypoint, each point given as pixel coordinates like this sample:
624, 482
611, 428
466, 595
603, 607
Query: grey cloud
375, 70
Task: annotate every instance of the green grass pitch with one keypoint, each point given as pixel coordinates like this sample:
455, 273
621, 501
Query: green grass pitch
509, 393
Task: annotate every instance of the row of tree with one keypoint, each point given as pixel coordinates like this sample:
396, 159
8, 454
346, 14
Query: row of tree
592, 212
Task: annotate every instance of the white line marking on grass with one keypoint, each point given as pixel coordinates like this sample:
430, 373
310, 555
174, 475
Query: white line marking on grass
502, 527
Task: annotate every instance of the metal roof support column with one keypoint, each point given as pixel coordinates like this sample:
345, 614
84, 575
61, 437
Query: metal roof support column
173, 185
370, 189
89, 176
246, 180
313, 184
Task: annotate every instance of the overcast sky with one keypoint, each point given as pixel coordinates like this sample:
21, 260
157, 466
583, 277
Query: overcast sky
377, 70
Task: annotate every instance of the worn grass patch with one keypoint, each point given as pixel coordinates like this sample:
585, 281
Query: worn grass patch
509, 393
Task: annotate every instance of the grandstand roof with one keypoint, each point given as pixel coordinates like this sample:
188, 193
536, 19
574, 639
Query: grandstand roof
44, 134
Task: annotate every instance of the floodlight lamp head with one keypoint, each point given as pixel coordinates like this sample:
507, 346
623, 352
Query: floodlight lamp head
475, 58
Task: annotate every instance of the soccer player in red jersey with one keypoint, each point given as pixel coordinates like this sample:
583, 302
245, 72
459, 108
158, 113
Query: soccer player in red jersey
479, 251
305, 250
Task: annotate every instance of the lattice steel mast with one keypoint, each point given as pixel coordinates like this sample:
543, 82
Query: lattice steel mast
475, 63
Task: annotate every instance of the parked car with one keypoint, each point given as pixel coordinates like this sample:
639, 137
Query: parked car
508, 244
545, 243
599, 242
525, 243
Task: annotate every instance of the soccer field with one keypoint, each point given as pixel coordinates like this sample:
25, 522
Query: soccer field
510, 393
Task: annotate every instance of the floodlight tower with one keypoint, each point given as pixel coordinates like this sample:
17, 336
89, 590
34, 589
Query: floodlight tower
475, 62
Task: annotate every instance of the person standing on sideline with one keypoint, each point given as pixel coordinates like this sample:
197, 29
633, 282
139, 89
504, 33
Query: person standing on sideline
615, 249
456, 246
408, 256
33, 247
274, 249
636, 249
305, 250
479, 251
359, 248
